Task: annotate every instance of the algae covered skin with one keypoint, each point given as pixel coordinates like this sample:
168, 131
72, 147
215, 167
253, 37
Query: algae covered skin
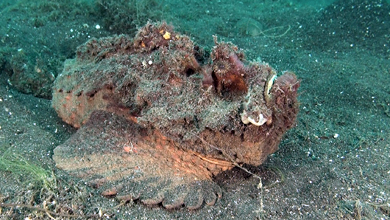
157, 124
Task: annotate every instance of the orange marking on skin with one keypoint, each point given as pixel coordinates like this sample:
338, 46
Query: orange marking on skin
130, 149
127, 149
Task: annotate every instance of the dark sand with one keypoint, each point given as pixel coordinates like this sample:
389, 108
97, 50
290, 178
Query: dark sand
335, 164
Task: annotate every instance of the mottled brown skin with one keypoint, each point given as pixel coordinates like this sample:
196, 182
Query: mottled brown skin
184, 116
228, 70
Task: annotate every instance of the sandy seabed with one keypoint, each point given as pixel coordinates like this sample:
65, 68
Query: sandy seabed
335, 164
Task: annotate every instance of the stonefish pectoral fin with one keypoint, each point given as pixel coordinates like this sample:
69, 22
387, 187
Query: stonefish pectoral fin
124, 160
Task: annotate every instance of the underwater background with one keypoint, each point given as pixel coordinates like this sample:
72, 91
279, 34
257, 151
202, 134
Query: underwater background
334, 164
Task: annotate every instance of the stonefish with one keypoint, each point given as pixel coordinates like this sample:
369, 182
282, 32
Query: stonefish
158, 117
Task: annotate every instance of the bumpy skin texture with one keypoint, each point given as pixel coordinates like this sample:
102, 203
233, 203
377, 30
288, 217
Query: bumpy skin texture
205, 116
